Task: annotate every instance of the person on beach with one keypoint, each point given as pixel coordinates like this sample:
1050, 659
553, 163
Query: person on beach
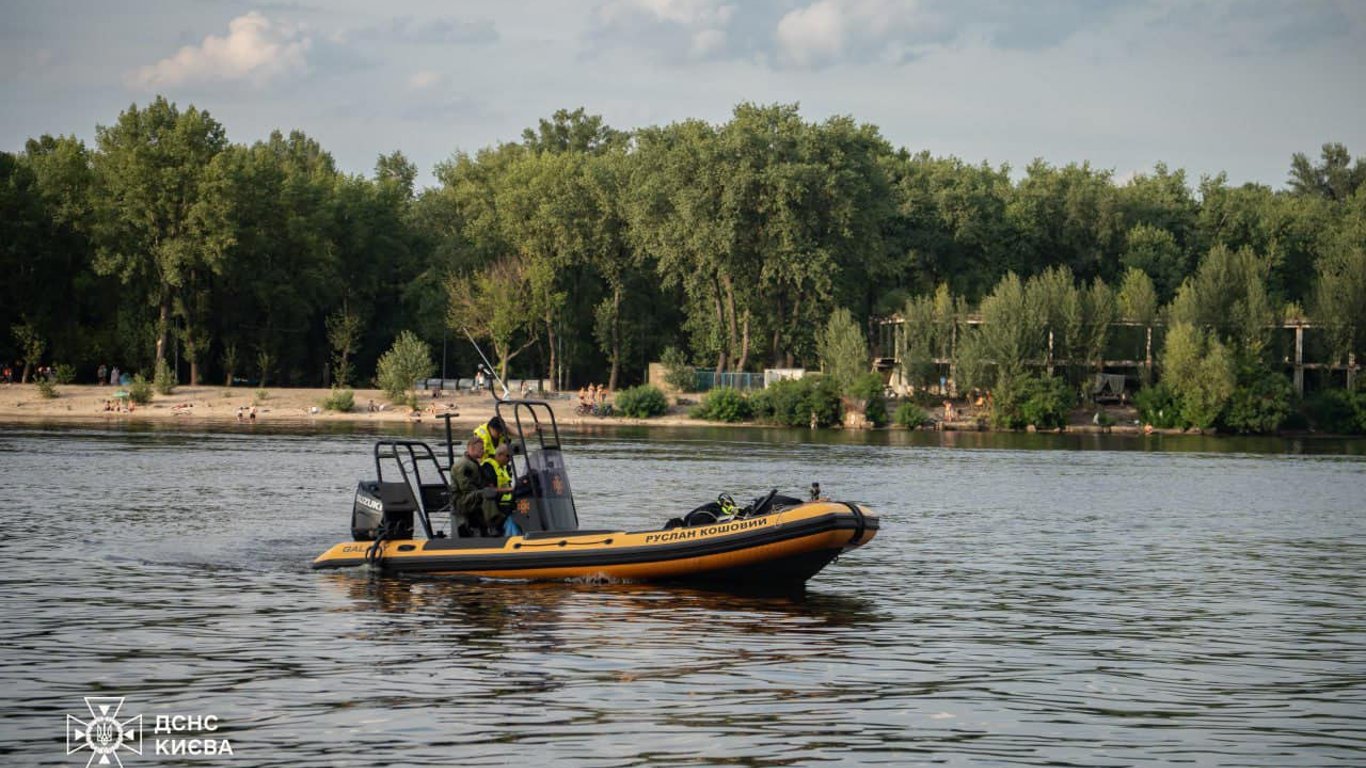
114, 376
101, 374
472, 500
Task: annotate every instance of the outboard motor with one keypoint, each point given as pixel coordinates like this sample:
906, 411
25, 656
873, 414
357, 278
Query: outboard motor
382, 507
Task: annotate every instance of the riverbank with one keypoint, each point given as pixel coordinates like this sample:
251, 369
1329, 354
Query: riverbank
304, 406
294, 406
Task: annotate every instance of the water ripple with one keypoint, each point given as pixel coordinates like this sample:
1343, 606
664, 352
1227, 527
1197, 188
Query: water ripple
1072, 606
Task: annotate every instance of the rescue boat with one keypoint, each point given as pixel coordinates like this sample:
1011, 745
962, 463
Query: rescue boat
404, 524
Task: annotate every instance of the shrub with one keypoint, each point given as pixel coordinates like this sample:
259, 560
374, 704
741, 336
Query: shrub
46, 388
408, 360
1158, 406
1046, 402
1260, 402
140, 391
868, 389
163, 379
66, 374
761, 405
261, 395
1042, 402
1336, 410
678, 372
909, 415
641, 402
343, 400
723, 404
798, 402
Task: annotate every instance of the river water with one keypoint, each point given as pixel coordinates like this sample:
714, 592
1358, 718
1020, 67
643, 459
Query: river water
1031, 600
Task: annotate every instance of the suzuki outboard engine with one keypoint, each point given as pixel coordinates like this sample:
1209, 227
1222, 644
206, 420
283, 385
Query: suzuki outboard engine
382, 507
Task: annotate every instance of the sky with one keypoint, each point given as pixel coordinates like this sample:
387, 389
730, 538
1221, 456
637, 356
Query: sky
1223, 85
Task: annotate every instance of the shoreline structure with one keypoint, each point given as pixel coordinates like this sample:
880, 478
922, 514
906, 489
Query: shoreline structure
84, 403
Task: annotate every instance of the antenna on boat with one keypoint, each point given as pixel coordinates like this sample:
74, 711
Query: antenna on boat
506, 393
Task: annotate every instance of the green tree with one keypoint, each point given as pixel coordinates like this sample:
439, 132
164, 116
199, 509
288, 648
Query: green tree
408, 360
1156, 252
1067, 216
574, 132
609, 252
1228, 294
343, 331
1335, 177
159, 212
842, 349
499, 304
1054, 296
1162, 200
1199, 371
951, 222
1137, 297
927, 334
1012, 333
1340, 299
31, 346
1100, 308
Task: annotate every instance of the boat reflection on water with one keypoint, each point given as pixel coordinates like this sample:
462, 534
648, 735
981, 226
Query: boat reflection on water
529, 616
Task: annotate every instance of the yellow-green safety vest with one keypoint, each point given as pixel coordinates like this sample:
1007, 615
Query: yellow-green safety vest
504, 478
482, 432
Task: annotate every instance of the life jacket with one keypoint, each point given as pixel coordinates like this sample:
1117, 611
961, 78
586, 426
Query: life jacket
504, 479
482, 432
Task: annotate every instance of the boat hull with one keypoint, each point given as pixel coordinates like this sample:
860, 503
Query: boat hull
784, 547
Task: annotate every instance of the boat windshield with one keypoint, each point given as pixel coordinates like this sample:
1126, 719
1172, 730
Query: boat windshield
545, 502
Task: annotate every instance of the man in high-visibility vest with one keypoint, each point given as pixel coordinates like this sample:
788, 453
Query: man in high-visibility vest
494, 433
497, 472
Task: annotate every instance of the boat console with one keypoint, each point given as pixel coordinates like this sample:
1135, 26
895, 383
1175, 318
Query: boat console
411, 489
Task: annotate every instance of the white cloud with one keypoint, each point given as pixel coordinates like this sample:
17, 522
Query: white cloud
689, 13
813, 34
695, 28
829, 30
706, 42
255, 50
425, 80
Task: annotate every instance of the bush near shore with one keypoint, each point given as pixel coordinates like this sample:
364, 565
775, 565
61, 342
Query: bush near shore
641, 402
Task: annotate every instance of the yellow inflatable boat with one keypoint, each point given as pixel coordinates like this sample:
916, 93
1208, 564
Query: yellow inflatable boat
774, 541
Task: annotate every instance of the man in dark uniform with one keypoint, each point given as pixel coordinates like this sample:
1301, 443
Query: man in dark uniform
475, 501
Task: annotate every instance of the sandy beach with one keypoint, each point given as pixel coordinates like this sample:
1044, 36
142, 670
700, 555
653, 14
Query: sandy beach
85, 403
295, 406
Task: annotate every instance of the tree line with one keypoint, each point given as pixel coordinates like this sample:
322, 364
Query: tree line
579, 252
